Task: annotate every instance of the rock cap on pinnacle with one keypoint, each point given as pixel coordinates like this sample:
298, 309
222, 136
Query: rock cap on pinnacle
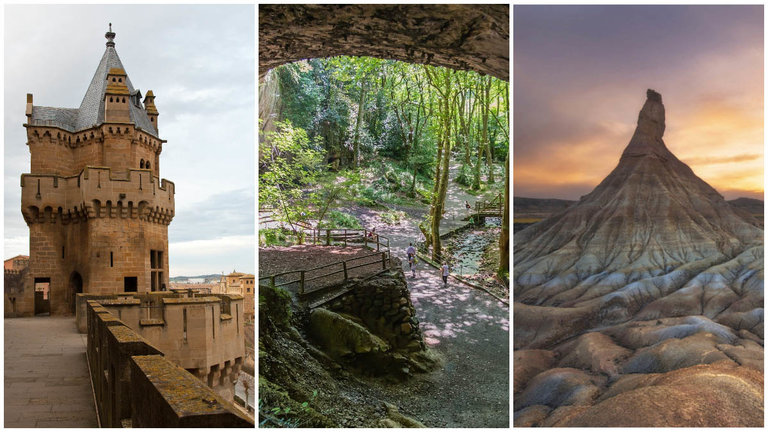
651, 120
647, 139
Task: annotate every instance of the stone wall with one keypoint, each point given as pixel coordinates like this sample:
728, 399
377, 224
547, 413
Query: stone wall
19, 294
135, 386
385, 308
204, 335
54, 150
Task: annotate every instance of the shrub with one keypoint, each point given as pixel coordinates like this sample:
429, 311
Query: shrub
465, 176
337, 219
392, 217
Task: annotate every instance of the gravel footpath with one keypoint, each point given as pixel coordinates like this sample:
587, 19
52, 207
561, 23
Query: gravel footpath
466, 327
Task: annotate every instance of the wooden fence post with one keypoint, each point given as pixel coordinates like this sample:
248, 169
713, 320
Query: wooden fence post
365, 238
301, 283
344, 264
377, 243
383, 261
272, 281
345, 238
327, 237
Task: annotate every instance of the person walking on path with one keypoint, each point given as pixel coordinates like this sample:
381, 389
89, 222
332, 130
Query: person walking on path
445, 272
411, 251
412, 265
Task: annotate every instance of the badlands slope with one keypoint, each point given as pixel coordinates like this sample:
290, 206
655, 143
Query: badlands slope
641, 304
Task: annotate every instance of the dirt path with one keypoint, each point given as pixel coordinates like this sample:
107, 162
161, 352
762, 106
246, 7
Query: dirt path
467, 328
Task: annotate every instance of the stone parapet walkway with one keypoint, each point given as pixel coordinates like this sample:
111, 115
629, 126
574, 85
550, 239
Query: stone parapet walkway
46, 374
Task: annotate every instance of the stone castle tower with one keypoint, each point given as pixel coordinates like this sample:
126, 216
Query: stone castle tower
97, 211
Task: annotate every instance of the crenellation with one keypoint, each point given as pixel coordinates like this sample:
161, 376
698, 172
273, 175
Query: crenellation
54, 192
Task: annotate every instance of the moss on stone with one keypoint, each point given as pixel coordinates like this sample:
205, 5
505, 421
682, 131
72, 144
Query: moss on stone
276, 406
275, 305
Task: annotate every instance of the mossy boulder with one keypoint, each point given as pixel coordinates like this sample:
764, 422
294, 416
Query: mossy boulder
341, 337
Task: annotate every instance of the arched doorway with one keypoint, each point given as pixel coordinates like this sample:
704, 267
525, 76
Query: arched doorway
75, 288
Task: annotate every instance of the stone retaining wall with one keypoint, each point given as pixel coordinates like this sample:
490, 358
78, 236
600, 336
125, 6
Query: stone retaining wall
384, 305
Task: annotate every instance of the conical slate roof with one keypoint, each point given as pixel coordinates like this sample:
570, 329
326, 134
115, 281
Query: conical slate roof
91, 111
649, 216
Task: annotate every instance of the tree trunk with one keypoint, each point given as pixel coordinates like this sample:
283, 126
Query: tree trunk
356, 142
504, 237
486, 144
443, 180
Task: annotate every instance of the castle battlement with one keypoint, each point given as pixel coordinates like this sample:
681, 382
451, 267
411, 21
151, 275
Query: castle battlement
202, 334
97, 192
57, 132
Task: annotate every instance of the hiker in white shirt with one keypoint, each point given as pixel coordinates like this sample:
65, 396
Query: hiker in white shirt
411, 250
445, 272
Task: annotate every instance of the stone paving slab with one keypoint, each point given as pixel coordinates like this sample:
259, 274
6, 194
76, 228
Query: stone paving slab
46, 374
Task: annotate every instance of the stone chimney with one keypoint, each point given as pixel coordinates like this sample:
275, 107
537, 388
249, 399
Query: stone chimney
117, 98
149, 105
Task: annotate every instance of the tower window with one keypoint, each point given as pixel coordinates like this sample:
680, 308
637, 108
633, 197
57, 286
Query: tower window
110, 99
120, 80
111, 259
62, 252
141, 164
147, 164
184, 313
113, 79
156, 269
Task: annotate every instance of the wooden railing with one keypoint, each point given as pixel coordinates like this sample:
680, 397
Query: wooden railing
270, 218
304, 277
495, 205
344, 237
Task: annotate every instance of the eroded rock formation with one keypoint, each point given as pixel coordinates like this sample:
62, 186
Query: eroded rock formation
464, 37
650, 286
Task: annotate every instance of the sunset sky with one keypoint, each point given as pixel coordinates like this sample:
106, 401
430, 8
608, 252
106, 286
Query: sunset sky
580, 78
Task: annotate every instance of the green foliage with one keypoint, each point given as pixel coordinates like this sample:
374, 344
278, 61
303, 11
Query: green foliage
465, 175
337, 219
394, 114
392, 217
284, 412
272, 237
289, 166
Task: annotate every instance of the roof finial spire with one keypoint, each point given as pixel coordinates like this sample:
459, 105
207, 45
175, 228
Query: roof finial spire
110, 36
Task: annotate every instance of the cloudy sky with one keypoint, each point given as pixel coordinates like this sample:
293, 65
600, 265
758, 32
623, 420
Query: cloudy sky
580, 78
199, 62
